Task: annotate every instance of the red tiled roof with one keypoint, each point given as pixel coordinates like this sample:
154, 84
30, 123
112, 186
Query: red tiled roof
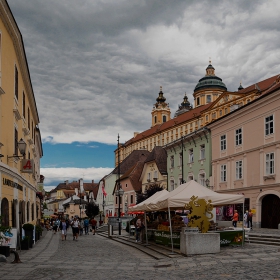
262, 85
194, 113
159, 155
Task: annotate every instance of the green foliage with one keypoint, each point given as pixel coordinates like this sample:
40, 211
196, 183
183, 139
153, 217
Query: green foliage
92, 210
38, 229
151, 190
28, 227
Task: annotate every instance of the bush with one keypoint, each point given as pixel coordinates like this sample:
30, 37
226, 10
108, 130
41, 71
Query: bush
38, 229
28, 227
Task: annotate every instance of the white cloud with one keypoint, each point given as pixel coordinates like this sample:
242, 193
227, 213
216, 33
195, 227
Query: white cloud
96, 67
54, 176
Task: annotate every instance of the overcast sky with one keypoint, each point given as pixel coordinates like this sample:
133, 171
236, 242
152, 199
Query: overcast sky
96, 66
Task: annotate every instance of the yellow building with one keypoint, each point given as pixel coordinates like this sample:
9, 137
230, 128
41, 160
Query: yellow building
20, 139
212, 100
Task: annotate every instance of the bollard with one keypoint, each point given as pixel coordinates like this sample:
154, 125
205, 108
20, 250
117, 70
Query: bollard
17, 259
110, 230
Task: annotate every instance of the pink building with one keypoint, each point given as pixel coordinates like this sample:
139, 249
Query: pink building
246, 154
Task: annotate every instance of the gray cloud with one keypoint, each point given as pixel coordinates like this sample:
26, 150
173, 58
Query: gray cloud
96, 66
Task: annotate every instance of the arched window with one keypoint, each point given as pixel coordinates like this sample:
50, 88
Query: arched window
164, 119
5, 212
23, 212
27, 211
14, 213
32, 211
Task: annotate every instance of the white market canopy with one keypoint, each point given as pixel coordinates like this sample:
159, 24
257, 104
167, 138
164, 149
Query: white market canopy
181, 195
152, 199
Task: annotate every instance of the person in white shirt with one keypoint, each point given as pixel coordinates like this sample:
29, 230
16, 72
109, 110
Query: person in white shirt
75, 227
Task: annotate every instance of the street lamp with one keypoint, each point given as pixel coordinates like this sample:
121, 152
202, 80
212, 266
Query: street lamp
120, 194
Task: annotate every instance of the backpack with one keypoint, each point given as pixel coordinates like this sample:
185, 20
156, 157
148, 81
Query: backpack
86, 222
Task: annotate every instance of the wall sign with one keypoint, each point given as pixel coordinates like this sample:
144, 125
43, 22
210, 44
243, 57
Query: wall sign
13, 184
27, 166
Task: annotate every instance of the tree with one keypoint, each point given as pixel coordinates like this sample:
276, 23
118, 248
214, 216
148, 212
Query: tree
92, 210
151, 190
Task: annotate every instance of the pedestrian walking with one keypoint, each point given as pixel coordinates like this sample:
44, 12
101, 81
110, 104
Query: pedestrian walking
250, 219
54, 226
93, 225
86, 223
75, 228
63, 227
235, 218
138, 229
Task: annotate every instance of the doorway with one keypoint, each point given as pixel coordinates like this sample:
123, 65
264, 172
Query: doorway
270, 217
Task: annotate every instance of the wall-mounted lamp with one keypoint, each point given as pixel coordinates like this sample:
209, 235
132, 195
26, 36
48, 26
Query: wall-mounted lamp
22, 147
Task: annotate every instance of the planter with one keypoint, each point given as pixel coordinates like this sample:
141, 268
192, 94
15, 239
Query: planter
5, 250
24, 245
29, 233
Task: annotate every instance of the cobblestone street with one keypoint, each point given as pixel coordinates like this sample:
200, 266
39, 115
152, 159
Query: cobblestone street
96, 257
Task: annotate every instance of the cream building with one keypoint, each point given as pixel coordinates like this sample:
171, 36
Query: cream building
20, 139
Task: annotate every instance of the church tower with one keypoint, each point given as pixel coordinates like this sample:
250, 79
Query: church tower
161, 111
208, 88
184, 107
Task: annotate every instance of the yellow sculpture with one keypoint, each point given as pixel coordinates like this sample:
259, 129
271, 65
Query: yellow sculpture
198, 209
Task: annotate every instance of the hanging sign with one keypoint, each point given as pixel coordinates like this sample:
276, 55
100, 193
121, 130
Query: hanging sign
27, 166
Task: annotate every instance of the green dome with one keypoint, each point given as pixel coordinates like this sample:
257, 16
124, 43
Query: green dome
210, 82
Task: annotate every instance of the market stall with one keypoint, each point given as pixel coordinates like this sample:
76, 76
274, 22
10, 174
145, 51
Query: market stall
178, 198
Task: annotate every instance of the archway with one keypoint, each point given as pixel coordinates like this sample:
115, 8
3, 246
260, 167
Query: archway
5, 212
270, 214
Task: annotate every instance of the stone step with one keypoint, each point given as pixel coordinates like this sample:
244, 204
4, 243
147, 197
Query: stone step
264, 236
267, 239
263, 242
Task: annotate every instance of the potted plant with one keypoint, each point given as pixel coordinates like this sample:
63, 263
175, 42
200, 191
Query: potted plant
5, 234
24, 244
28, 229
38, 230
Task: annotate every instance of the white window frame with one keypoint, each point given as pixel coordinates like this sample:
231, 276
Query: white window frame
149, 176
239, 169
223, 142
269, 125
270, 163
238, 137
191, 156
223, 173
202, 151
156, 174
201, 178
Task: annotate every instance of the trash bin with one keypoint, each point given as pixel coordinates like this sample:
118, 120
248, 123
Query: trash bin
110, 230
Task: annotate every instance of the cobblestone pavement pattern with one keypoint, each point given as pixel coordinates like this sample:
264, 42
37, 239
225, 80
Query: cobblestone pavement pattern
96, 257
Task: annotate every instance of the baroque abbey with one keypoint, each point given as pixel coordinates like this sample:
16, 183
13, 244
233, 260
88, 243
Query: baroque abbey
212, 101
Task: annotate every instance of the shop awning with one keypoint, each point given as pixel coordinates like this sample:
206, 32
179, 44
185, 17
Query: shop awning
181, 195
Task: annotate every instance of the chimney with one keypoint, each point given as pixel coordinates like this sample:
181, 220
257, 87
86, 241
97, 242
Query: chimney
66, 182
92, 181
76, 191
135, 134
